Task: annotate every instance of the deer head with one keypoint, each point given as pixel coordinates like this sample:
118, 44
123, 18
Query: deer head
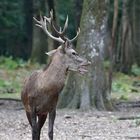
71, 59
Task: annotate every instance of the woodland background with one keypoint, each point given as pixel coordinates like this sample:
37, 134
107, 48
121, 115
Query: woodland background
110, 31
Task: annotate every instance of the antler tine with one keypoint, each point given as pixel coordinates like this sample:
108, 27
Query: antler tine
42, 24
65, 25
78, 31
60, 32
37, 21
51, 14
49, 19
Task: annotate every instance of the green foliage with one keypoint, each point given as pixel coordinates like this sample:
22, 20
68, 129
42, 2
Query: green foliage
11, 25
125, 87
4, 83
122, 83
119, 86
9, 63
123, 97
9, 89
9, 86
135, 70
106, 64
12, 75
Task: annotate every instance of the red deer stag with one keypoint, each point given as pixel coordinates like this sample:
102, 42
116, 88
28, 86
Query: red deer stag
41, 90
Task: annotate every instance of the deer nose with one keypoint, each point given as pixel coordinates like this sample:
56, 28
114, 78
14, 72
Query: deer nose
85, 63
89, 63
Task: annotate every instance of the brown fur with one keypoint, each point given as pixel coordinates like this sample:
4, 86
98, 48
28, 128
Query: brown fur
42, 88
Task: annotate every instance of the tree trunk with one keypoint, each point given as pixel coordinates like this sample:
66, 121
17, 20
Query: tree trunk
51, 43
39, 46
126, 58
28, 10
122, 40
78, 11
113, 46
90, 90
136, 30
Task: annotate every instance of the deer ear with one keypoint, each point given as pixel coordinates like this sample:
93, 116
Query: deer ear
50, 53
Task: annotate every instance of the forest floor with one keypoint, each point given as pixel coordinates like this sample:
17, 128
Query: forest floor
74, 124
123, 124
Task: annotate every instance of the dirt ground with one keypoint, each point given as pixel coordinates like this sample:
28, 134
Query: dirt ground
73, 124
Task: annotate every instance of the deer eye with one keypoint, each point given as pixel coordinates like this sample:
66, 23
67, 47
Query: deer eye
74, 53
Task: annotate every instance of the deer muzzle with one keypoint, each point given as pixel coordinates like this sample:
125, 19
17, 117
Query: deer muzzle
83, 67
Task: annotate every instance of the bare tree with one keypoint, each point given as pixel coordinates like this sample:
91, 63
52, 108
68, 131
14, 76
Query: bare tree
113, 46
122, 40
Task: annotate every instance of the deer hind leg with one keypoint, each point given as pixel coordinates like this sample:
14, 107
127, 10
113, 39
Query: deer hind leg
29, 117
51, 123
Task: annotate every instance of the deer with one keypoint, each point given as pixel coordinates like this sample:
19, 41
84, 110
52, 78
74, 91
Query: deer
42, 88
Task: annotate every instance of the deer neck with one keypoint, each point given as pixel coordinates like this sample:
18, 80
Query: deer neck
57, 71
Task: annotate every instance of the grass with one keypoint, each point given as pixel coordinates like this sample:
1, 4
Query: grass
10, 83
13, 73
11, 96
124, 87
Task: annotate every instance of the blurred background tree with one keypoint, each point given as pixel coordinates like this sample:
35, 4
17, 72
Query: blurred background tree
39, 43
13, 37
125, 39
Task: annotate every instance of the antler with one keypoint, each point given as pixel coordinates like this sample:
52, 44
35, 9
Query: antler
42, 24
60, 32
78, 31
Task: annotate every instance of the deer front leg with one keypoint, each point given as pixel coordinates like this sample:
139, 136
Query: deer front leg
34, 125
41, 121
51, 123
